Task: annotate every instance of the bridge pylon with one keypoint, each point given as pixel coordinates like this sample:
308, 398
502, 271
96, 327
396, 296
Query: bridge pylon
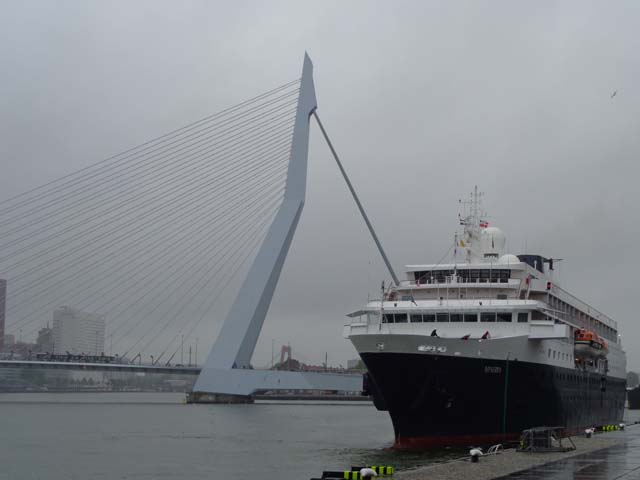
226, 375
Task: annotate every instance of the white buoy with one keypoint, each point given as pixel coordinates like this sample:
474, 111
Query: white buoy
621, 425
367, 473
589, 431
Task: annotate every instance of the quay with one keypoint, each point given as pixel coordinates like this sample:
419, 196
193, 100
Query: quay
605, 456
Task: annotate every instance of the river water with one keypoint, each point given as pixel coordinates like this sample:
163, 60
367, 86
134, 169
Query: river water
154, 436
68, 436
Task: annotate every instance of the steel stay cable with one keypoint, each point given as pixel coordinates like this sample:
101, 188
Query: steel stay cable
133, 254
154, 140
192, 155
240, 247
104, 293
168, 147
96, 261
258, 239
176, 209
253, 241
254, 180
203, 166
276, 132
224, 154
96, 228
193, 253
249, 251
189, 276
172, 278
203, 202
153, 164
234, 272
231, 173
219, 291
192, 256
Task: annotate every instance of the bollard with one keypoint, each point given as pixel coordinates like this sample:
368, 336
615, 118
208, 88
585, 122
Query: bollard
475, 453
588, 433
385, 470
367, 474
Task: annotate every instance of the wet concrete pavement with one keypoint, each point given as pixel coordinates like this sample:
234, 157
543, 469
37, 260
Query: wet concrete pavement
621, 462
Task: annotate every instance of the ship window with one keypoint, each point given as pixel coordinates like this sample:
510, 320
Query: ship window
406, 298
487, 317
400, 317
523, 317
501, 296
388, 318
504, 316
435, 276
429, 317
416, 318
456, 317
442, 317
537, 315
470, 317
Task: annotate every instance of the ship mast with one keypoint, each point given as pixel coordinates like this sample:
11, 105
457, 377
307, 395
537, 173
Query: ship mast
473, 223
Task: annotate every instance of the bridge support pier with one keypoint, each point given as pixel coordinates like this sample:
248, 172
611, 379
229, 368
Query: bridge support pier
217, 398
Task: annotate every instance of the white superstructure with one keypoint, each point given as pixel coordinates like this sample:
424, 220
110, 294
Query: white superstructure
454, 309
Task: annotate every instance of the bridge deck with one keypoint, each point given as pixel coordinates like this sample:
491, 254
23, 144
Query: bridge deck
101, 367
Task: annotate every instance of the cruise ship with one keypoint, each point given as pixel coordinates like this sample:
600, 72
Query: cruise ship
479, 349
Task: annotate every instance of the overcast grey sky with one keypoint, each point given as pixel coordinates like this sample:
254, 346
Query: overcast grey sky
423, 100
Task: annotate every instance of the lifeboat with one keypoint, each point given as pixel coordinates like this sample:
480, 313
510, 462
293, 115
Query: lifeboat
589, 345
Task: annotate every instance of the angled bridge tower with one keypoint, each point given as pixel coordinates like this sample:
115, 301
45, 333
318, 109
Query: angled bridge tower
226, 375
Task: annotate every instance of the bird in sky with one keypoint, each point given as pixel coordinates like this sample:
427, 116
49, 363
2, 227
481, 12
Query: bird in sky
614, 94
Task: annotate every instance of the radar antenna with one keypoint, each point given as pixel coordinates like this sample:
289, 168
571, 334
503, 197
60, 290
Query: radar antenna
474, 215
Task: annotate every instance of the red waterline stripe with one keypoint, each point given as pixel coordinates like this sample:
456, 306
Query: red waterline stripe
454, 440
410, 443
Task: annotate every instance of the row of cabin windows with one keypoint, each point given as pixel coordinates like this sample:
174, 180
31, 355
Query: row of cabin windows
572, 314
463, 276
410, 298
559, 355
521, 317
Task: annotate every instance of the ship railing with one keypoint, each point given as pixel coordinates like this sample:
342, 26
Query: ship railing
588, 309
461, 281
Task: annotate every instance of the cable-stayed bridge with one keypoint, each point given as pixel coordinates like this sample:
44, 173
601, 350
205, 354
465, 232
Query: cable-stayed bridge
163, 238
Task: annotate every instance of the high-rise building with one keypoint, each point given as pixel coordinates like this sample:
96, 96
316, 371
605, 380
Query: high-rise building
3, 309
77, 332
44, 343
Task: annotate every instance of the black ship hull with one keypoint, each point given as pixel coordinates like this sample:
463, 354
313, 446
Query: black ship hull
633, 396
441, 400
